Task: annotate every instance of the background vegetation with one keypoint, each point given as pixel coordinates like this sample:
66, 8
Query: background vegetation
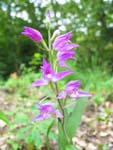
90, 21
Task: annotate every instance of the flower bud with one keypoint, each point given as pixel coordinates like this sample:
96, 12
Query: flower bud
33, 34
55, 34
48, 16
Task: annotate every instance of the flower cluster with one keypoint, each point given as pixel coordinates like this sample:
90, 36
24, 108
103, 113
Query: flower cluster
49, 75
63, 45
65, 50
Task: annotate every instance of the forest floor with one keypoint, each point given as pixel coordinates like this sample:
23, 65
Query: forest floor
94, 133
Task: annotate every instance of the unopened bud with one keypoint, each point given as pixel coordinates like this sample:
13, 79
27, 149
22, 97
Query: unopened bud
55, 34
48, 19
48, 16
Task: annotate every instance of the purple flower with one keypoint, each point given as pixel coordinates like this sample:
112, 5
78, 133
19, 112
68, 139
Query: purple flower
33, 34
61, 40
63, 56
46, 111
65, 48
72, 91
49, 75
72, 85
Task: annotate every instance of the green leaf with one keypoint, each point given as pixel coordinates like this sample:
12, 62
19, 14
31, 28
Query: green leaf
73, 121
22, 132
21, 118
36, 137
33, 138
62, 142
3, 117
48, 132
71, 124
14, 145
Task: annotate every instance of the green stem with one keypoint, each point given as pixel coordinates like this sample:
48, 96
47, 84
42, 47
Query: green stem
50, 47
44, 45
55, 65
62, 109
64, 101
49, 38
47, 135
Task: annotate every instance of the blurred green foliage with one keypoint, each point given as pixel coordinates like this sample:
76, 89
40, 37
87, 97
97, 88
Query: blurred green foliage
90, 21
14, 48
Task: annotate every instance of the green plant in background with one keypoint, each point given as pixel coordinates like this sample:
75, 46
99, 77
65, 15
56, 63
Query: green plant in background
27, 134
36, 60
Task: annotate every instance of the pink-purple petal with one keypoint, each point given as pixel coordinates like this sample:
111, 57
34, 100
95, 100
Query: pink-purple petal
42, 116
46, 111
47, 70
61, 40
69, 46
62, 64
84, 94
46, 107
72, 85
38, 83
60, 75
64, 55
62, 95
58, 114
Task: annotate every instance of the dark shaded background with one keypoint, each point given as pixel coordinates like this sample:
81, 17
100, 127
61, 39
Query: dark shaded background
90, 21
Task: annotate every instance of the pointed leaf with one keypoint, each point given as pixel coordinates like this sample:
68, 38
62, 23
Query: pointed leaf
3, 117
75, 118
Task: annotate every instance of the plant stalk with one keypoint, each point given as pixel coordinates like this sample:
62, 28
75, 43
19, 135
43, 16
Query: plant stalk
63, 113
